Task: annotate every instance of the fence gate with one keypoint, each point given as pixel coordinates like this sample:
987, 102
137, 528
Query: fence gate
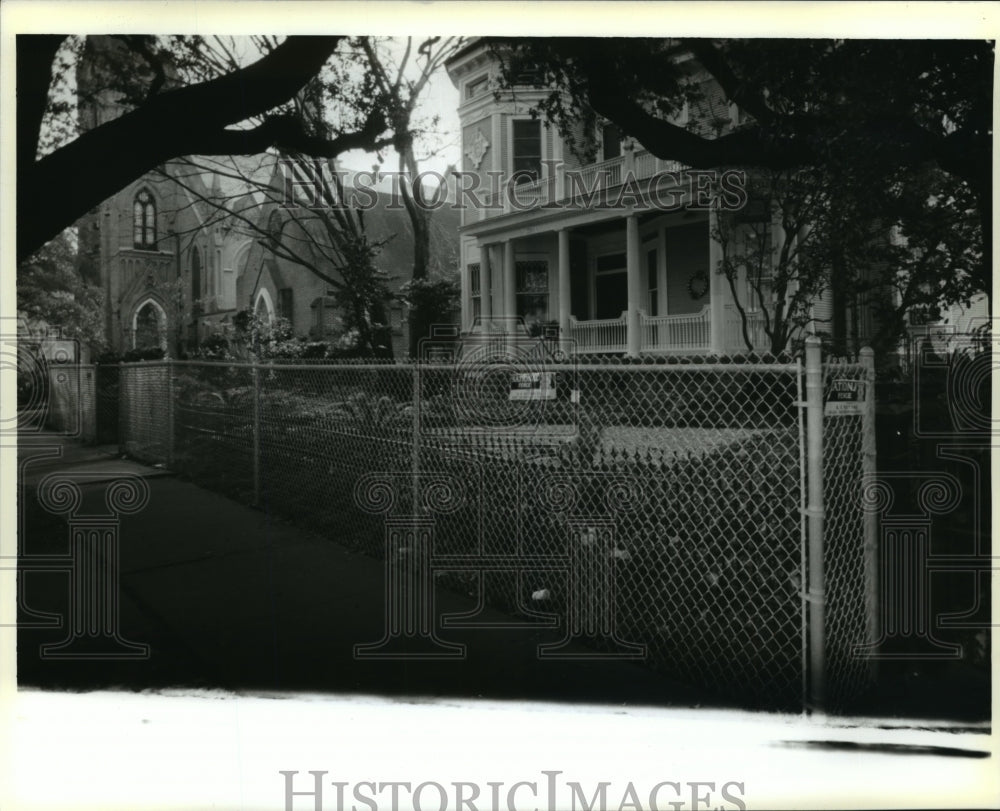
705, 517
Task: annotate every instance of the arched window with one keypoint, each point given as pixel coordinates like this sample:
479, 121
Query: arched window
144, 221
264, 307
195, 280
149, 326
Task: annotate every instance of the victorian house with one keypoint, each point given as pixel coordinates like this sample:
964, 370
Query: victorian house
567, 243
617, 249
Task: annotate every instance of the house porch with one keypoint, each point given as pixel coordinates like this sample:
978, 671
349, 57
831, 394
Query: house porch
642, 283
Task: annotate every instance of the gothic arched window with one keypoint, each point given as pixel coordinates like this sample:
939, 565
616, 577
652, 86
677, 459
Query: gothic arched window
149, 326
195, 280
144, 221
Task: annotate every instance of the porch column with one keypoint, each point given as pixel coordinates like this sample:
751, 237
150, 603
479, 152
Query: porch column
661, 271
632, 266
466, 300
485, 287
564, 293
717, 289
509, 297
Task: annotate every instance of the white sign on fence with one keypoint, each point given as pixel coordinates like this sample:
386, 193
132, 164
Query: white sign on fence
533, 386
845, 398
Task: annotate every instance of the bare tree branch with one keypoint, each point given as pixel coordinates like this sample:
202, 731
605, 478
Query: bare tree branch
170, 124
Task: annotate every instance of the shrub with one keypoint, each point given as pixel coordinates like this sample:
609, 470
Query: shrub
144, 353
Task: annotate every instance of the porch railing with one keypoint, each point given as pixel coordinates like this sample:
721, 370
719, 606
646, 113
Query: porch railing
673, 332
599, 335
755, 327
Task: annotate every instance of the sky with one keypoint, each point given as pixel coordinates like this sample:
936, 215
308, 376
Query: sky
441, 98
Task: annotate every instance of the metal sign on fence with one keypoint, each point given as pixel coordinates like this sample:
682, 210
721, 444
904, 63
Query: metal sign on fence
845, 397
533, 386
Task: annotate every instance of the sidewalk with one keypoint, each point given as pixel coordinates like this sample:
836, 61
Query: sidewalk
228, 597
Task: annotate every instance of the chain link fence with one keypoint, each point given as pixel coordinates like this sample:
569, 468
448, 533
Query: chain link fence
684, 480
71, 400
145, 411
850, 554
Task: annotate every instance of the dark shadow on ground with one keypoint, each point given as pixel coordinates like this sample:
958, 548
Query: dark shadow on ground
229, 597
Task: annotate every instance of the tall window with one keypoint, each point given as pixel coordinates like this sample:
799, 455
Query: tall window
611, 142
218, 272
144, 221
759, 258
285, 304
532, 289
195, 281
476, 290
527, 165
652, 286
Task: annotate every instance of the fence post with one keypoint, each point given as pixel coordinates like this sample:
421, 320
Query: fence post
815, 588
255, 373
415, 453
869, 516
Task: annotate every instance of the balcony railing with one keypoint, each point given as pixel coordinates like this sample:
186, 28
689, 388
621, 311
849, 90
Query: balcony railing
603, 175
606, 174
527, 194
676, 332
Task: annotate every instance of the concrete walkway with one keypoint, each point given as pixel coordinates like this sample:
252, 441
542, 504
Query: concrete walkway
227, 596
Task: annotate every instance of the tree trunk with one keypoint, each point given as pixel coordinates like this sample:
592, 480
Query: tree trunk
413, 199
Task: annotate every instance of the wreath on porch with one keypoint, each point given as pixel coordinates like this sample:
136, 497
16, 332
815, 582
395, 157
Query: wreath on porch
698, 285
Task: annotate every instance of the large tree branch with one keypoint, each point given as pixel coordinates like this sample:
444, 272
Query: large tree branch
54, 192
737, 91
34, 57
285, 132
788, 141
668, 141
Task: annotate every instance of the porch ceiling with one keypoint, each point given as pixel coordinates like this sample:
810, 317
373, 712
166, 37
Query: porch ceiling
586, 222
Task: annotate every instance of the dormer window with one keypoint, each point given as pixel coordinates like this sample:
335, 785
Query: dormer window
144, 221
476, 87
528, 74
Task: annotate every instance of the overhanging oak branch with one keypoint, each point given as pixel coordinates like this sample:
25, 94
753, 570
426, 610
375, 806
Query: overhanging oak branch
55, 191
